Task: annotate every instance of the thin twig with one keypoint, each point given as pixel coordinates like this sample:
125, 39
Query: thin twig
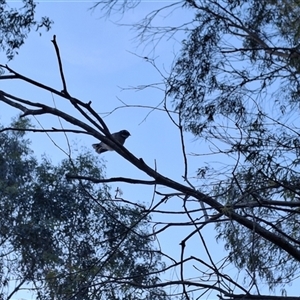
60, 66
112, 179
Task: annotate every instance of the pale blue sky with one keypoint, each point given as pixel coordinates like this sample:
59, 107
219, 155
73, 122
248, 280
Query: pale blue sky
97, 62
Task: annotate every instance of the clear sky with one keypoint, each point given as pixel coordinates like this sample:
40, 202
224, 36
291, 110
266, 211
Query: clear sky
99, 58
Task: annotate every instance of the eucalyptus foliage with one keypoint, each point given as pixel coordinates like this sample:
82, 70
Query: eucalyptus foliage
16, 22
69, 240
235, 84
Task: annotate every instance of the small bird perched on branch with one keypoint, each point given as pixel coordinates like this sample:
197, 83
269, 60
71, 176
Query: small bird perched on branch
120, 137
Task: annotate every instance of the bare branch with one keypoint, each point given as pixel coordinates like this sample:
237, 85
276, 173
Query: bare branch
65, 91
113, 179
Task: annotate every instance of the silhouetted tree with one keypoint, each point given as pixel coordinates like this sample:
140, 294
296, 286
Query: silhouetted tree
16, 23
69, 240
235, 85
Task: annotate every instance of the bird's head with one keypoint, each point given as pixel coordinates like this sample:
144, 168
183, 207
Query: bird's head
125, 134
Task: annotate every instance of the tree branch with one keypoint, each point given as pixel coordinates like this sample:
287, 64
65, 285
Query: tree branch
113, 179
60, 66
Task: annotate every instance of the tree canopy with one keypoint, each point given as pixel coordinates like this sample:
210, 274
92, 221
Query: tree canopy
16, 23
69, 240
233, 85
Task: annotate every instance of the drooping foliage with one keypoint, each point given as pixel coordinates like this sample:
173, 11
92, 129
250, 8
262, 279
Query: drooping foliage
16, 22
235, 84
66, 239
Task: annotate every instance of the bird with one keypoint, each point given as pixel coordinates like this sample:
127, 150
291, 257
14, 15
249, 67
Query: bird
120, 137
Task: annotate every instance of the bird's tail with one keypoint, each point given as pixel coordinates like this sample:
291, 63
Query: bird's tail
99, 149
